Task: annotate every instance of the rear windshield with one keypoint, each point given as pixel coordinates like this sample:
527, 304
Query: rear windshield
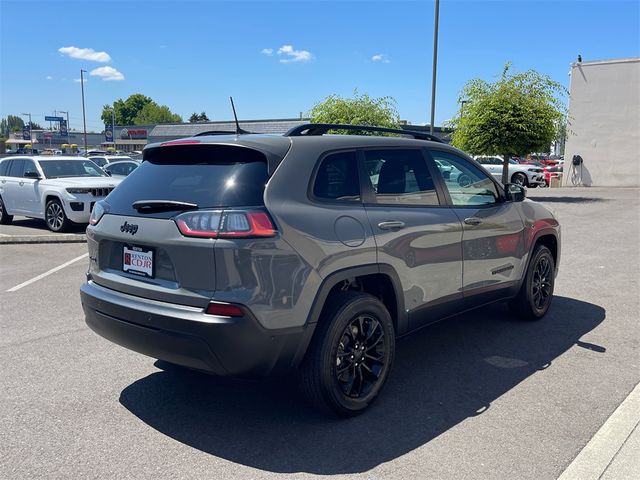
208, 175
70, 168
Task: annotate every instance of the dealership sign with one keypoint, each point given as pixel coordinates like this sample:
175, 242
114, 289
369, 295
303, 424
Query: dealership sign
53, 119
64, 132
26, 133
139, 134
108, 133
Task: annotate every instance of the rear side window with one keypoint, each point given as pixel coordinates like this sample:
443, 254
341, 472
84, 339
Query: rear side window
16, 168
207, 175
337, 178
4, 168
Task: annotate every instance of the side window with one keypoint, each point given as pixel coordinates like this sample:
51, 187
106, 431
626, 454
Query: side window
466, 183
15, 170
400, 177
4, 168
28, 166
337, 178
130, 168
114, 169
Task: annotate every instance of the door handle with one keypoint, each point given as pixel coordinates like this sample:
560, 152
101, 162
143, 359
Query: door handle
391, 225
21, 183
472, 221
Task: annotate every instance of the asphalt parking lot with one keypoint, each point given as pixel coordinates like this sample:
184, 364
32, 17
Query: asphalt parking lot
479, 396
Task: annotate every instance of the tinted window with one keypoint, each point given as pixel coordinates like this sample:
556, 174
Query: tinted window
337, 177
70, 168
99, 160
117, 169
15, 170
400, 177
4, 168
466, 183
210, 176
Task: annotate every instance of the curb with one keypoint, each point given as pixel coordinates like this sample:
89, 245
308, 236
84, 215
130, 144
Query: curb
61, 238
604, 448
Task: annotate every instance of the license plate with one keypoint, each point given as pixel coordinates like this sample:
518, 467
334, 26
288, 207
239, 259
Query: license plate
138, 260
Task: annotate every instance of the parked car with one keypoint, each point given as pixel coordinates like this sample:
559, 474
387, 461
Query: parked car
520, 174
121, 168
102, 160
552, 172
250, 255
59, 190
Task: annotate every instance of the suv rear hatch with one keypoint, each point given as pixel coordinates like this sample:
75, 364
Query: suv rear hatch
157, 234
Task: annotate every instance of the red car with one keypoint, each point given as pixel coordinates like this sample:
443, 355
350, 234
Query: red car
550, 172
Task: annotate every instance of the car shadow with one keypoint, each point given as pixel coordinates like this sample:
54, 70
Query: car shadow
442, 375
38, 224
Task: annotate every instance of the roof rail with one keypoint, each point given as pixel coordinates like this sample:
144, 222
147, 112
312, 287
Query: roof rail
217, 132
313, 129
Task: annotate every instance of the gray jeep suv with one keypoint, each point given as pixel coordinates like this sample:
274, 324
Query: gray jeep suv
256, 254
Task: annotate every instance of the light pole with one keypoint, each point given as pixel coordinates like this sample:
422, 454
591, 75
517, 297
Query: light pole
84, 117
30, 126
113, 125
462, 103
435, 64
67, 113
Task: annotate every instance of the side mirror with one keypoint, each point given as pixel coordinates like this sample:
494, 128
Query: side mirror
514, 193
108, 173
32, 174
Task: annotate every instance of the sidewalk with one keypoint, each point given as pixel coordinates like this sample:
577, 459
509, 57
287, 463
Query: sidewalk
614, 451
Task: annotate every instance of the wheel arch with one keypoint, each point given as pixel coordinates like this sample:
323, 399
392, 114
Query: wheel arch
382, 277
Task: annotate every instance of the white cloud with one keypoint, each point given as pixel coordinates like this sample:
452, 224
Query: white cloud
292, 55
107, 73
49, 77
267, 51
381, 57
85, 54
77, 80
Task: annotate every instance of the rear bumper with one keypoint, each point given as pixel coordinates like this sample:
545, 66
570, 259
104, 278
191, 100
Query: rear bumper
186, 336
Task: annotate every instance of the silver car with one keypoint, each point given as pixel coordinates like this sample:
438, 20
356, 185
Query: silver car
252, 255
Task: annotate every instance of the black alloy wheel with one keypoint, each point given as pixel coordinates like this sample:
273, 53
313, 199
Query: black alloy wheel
350, 355
535, 295
361, 356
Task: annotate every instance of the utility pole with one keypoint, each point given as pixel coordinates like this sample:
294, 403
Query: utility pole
84, 117
113, 126
30, 126
435, 65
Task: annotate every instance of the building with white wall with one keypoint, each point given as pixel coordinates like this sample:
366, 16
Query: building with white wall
604, 123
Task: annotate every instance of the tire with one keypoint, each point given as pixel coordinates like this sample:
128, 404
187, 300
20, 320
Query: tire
520, 179
5, 218
55, 217
348, 319
535, 295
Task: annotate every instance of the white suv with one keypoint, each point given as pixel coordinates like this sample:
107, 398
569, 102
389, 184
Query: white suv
59, 190
520, 174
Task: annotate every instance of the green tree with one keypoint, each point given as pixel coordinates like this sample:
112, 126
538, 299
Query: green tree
12, 123
198, 117
126, 110
36, 126
154, 113
518, 114
358, 110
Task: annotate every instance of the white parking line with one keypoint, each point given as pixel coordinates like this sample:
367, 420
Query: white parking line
49, 272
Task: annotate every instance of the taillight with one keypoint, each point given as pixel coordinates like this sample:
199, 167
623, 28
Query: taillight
225, 224
99, 209
224, 310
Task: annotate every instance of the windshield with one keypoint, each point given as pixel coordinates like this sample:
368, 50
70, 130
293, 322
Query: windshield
70, 168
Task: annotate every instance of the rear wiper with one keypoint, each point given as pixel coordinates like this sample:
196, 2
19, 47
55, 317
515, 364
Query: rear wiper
148, 206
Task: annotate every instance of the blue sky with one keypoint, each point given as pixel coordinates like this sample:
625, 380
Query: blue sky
192, 55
